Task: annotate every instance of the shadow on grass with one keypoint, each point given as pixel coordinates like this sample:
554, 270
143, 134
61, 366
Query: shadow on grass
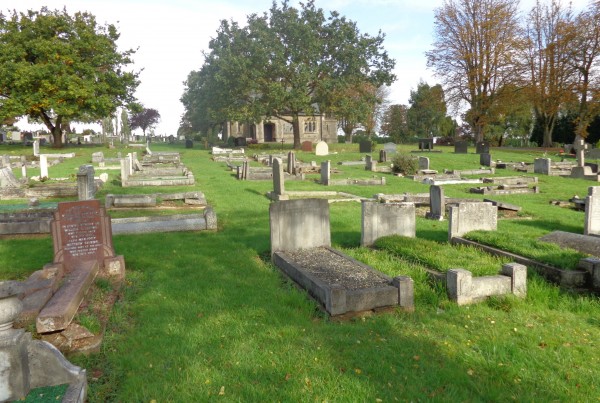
548, 226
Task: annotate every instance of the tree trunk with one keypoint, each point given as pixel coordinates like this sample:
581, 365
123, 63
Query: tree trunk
57, 136
296, 127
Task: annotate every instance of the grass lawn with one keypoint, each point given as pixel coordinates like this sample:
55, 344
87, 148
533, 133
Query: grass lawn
205, 316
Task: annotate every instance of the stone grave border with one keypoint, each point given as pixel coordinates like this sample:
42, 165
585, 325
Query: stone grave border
168, 223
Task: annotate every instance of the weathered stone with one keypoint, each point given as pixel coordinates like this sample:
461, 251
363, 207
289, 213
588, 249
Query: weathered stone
321, 148
592, 211
380, 220
325, 172
468, 217
437, 203
461, 147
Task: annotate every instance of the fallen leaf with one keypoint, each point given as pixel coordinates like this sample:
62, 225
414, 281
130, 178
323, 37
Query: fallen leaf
470, 372
416, 358
357, 370
222, 391
288, 376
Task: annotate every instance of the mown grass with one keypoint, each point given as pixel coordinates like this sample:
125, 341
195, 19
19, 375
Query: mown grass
205, 316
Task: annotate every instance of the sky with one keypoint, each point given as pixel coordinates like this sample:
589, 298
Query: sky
170, 35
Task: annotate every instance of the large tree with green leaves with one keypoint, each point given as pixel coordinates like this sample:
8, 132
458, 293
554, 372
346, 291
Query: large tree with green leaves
394, 123
288, 62
56, 67
427, 112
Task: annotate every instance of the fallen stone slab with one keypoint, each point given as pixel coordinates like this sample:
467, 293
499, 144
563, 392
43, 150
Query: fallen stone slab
62, 307
583, 243
26, 222
503, 205
170, 223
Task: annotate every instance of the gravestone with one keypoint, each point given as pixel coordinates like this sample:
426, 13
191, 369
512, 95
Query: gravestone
542, 166
8, 179
278, 180
485, 159
97, 157
370, 165
382, 219
423, 163
437, 203
472, 216
291, 162
592, 211
482, 147
365, 146
81, 231
240, 141
461, 147
581, 170
5, 161
390, 148
382, 156
36, 148
425, 144
321, 148
189, 143
325, 172
43, 166
307, 146
86, 187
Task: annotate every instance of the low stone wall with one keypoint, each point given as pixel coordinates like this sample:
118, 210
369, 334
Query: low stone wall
171, 223
26, 222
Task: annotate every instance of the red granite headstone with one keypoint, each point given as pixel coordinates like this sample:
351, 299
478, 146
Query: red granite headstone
81, 232
307, 146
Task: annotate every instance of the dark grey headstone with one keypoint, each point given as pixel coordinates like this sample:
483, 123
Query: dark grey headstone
365, 146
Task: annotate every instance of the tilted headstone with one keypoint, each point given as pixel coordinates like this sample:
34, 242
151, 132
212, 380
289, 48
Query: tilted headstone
325, 172
592, 211
423, 163
472, 216
365, 146
482, 147
437, 203
321, 148
86, 187
382, 219
8, 179
461, 147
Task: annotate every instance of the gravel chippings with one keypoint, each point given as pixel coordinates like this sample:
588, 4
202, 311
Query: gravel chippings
331, 268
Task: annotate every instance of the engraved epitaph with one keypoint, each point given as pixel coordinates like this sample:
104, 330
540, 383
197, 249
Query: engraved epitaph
81, 232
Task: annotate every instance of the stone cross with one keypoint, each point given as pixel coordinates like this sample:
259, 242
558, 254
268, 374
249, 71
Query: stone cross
580, 147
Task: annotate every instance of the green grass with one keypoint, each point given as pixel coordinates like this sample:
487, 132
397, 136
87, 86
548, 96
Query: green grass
205, 316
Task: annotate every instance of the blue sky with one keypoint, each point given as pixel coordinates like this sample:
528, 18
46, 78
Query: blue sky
170, 36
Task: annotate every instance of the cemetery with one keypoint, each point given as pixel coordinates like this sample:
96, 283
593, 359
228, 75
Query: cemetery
384, 276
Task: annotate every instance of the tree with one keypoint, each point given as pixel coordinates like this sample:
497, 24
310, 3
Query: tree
549, 74
55, 67
394, 123
289, 62
427, 112
145, 119
125, 127
475, 43
583, 57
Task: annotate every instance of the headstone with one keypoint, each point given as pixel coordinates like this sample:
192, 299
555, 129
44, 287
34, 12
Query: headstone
390, 148
97, 157
382, 156
437, 203
86, 187
307, 146
278, 179
425, 144
81, 232
382, 219
461, 147
43, 166
423, 163
299, 224
325, 172
291, 162
485, 159
189, 143
321, 148
592, 211
5, 160
370, 164
239, 141
148, 151
542, 166
36, 148
125, 167
8, 179
472, 216
365, 146
23, 171
581, 170
482, 147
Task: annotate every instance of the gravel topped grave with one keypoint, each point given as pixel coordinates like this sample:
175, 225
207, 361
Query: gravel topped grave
331, 268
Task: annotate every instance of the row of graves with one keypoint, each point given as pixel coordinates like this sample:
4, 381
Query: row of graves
50, 298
